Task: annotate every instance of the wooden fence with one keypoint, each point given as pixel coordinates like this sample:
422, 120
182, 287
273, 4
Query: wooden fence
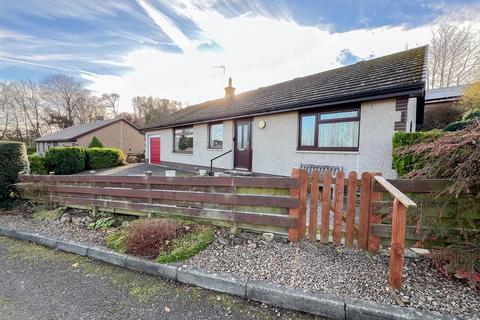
259, 203
352, 210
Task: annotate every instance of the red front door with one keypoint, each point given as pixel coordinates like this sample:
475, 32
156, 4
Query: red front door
155, 150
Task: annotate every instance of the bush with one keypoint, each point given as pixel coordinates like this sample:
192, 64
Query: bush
456, 126
405, 163
147, 237
31, 149
96, 143
471, 115
98, 158
186, 247
38, 164
13, 157
65, 160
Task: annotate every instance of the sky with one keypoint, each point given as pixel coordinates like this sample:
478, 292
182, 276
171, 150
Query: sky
186, 50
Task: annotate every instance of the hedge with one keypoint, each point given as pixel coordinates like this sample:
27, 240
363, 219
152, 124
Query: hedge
406, 163
98, 158
38, 164
65, 160
96, 143
13, 157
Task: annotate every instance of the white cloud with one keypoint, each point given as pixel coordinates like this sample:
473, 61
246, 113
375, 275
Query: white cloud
256, 51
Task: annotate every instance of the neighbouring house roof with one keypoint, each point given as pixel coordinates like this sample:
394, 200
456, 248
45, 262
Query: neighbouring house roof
448, 93
400, 72
73, 132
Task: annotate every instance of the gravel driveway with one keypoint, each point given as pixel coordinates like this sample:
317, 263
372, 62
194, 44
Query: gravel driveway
40, 283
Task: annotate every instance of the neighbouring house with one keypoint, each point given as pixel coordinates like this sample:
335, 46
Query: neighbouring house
344, 117
440, 106
117, 133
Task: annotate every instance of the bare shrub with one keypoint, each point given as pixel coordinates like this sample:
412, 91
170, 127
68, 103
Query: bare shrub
147, 237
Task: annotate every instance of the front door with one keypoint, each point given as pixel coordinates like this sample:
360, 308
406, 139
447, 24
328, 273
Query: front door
155, 150
243, 144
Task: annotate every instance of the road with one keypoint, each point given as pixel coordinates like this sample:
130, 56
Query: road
40, 283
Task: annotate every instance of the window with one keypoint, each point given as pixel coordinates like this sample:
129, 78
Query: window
329, 130
183, 140
215, 136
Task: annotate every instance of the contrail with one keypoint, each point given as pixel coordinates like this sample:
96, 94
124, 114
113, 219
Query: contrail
47, 66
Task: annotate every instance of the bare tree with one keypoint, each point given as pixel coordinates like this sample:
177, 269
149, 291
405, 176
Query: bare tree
63, 96
111, 102
454, 56
91, 109
26, 96
151, 109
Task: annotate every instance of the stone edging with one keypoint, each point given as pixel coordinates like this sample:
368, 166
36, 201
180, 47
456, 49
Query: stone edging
316, 303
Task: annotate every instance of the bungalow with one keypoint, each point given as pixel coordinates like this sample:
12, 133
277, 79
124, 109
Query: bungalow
118, 133
344, 117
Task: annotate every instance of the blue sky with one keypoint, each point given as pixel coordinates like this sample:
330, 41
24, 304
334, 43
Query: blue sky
169, 48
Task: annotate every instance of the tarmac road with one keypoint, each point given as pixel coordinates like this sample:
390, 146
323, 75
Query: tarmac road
40, 283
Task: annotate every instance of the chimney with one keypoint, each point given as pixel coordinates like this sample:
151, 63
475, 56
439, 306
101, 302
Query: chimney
229, 91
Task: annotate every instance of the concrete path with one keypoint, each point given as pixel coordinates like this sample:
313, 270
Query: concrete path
40, 283
135, 169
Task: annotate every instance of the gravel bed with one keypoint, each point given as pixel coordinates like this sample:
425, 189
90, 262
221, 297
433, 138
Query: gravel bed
56, 229
338, 270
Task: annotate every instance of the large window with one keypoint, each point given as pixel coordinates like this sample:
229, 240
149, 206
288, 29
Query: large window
329, 130
215, 136
183, 140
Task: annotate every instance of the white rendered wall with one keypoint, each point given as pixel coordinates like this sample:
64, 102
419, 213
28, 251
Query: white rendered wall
201, 153
275, 146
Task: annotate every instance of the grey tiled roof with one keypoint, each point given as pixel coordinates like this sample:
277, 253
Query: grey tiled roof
76, 131
445, 93
367, 78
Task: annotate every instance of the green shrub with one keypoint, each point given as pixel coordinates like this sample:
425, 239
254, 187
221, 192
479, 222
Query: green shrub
456, 126
403, 164
38, 164
65, 160
98, 158
471, 115
189, 245
31, 149
13, 157
96, 143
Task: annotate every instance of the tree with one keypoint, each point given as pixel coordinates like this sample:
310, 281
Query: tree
5, 104
26, 96
95, 143
152, 109
63, 96
111, 102
470, 99
454, 56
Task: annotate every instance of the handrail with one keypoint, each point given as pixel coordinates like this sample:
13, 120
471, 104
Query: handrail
210, 173
397, 194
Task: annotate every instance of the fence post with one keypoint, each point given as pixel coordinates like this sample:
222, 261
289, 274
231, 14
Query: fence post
326, 195
148, 174
351, 204
293, 212
373, 241
399, 221
365, 204
302, 219
312, 226
338, 208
